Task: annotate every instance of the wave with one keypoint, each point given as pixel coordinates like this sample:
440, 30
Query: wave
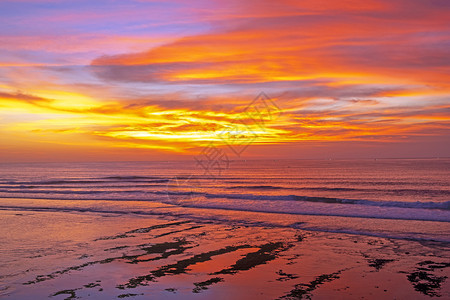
139, 193
424, 205
18, 188
51, 182
391, 213
265, 187
272, 187
344, 189
418, 204
133, 178
92, 181
54, 192
323, 181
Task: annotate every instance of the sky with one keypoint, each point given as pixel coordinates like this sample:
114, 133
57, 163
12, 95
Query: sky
138, 80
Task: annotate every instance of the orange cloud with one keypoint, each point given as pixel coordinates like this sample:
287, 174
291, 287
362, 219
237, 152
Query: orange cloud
340, 71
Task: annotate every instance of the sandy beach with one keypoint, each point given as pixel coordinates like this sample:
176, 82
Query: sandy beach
110, 256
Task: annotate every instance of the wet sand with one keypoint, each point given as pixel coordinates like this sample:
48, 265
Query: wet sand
73, 255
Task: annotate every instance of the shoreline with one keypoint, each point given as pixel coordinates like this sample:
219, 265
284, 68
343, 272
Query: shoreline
425, 230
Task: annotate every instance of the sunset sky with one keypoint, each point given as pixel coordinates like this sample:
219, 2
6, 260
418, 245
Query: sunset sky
143, 80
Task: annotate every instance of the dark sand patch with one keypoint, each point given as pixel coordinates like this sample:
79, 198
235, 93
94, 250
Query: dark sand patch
423, 279
303, 291
379, 263
300, 237
266, 253
71, 294
201, 286
92, 284
285, 276
121, 296
176, 247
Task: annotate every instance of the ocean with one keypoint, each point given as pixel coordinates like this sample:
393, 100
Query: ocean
394, 198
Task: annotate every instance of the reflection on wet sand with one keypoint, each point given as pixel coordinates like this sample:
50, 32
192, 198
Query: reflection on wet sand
186, 258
